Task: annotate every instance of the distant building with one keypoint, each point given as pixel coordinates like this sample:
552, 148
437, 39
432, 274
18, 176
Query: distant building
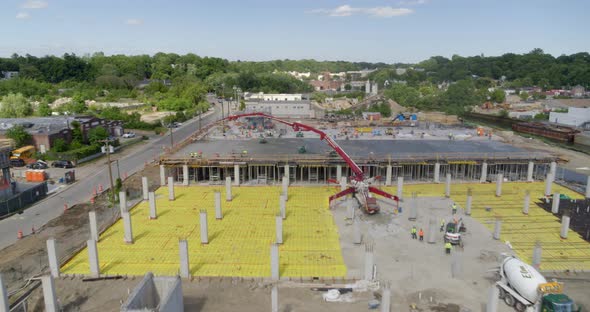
272, 96
578, 91
9, 74
5, 186
575, 116
294, 108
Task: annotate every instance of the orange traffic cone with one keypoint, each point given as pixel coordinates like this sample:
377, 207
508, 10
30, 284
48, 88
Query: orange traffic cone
19, 235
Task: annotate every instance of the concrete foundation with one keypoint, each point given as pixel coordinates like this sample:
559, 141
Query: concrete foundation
497, 229
565, 226
357, 236
350, 209
553, 169
203, 225
49, 296
274, 262
388, 174
529, 172
413, 215
287, 172
236, 175
548, 182
484, 172
339, 172
493, 298
537, 254
122, 202
400, 187
93, 225
184, 260
456, 264
555, 203
127, 227
93, 258
153, 209
369, 262
499, 180
218, 213
448, 186
527, 202
228, 196
286, 187
171, 188
144, 187
162, 294
469, 202
52, 258
185, 175
162, 175
437, 172
4, 304
279, 229
274, 298
283, 206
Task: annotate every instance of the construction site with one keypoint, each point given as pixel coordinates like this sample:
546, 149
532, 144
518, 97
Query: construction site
256, 213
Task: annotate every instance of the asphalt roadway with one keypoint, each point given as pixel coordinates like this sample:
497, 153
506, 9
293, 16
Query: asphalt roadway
53, 206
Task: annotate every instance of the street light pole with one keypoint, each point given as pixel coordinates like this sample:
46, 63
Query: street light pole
108, 150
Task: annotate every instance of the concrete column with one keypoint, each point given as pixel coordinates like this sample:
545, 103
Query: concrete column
122, 202
565, 225
49, 296
4, 304
185, 175
588, 187
228, 196
388, 174
93, 258
497, 229
537, 253
437, 172
127, 228
548, 182
432, 230
493, 298
144, 187
52, 257
279, 229
283, 206
553, 169
338, 172
287, 173
448, 186
386, 298
469, 202
529, 172
484, 173
171, 188
153, 210
499, 180
527, 202
357, 236
236, 175
274, 298
203, 224
184, 260
369, 262
286, 188
162, 175
342, 183
400, 187
555, 203
274, 262
218, 213
93, 225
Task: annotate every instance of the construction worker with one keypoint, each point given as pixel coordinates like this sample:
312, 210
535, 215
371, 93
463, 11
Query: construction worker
454, 208
442, 225
421, 234
448, 247
413, 231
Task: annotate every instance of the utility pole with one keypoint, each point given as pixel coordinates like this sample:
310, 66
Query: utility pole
222, 113
108, 151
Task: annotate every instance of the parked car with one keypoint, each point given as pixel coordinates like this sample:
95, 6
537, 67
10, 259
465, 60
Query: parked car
39, 164
17, 162
129, 135
62, 164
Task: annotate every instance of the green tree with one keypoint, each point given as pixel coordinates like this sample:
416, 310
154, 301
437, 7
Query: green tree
403, 94
459, 96
59, 145
319, 97
524, 95
15, 106
97, 134
77, 137
498, 96
503, 113
242, 105
43, 109
20, 136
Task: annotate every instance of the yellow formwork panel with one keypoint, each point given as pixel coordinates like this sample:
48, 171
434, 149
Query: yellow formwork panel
522, 231
239, 244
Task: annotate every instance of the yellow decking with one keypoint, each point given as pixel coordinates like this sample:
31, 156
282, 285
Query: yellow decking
522, 231
239, 245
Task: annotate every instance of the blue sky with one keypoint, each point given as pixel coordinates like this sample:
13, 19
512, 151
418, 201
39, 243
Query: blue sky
354, 30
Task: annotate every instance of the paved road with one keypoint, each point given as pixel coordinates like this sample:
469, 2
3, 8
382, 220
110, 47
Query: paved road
52, 207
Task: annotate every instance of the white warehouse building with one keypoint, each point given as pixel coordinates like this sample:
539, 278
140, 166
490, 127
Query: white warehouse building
282, 109
273, 97
575, 116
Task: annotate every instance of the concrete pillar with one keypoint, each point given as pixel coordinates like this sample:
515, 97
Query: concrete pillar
127, 227
218, 213
565, 225
4, 303
437, 172
144, 187
52, 257
448, 186
203, 224
400, 187
537, 255
497, 229
93, 225
555, 203
484, 173
342, 183
588, 187
274, 298
469, 202
432, 230
548, 182
279, 229
369, 262
338, 172
153, 210
386, 298
527, 202
287, 172
493, 298
388, 174
228, 196
236, 175
93, 258
283, 206
49, 296
184, 260
357, 236
171, 188
499, 180
553, 169
274, 262
529, 172
185, 175
123, 202
286, 188
162, 175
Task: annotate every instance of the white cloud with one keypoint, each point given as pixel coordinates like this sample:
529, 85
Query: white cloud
413, 2
134, 21
23, 15
347, 10
35, 4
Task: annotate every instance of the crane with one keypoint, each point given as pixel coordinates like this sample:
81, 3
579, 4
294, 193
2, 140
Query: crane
360, 186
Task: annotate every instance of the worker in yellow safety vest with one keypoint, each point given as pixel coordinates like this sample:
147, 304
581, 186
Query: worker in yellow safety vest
413, 232
454, 208
448, 247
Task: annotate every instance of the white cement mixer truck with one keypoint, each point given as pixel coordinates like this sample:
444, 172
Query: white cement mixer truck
524, 288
